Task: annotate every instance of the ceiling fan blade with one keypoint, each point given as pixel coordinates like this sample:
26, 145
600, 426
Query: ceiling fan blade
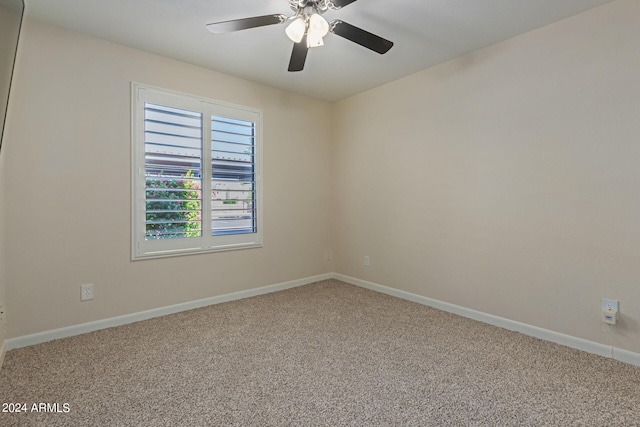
360, 36
245, 23
342, 3
299, 55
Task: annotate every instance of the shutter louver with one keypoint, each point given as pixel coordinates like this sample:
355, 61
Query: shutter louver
173, 172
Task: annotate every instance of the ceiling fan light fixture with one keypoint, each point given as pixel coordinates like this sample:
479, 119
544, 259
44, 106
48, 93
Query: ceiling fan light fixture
295, 31
318, 25
314, 41
318, 28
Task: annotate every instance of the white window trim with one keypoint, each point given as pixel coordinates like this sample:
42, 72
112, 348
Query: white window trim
145, 249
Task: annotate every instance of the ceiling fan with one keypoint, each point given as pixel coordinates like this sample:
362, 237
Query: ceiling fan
307, 28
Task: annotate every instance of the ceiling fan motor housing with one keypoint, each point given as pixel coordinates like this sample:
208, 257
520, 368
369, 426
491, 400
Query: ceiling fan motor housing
309, 7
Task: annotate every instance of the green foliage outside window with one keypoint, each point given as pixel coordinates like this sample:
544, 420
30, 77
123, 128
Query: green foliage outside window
173, 207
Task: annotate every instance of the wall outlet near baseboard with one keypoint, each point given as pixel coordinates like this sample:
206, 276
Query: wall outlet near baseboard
86, 292
367, 261
610, 304
328, 256
610, 311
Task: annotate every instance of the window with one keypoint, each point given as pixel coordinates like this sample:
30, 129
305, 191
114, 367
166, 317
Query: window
196, 175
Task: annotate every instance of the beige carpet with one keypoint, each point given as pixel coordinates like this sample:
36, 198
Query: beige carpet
325, 354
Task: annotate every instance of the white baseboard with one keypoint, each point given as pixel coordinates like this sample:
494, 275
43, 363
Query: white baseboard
534, 331
84, 328
626, 356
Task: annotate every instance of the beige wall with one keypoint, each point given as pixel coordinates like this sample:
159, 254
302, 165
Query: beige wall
506, 181
3, 264
9, 29
69, 167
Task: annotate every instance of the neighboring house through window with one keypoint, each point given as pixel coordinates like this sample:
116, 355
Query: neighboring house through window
196, 174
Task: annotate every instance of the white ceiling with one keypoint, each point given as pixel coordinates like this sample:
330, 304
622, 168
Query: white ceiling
425, 33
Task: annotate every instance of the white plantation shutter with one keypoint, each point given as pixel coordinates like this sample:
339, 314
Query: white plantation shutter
177, 140
233, 181
173, 172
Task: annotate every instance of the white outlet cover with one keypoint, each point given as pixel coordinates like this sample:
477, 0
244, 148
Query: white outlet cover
86, 292
609, 304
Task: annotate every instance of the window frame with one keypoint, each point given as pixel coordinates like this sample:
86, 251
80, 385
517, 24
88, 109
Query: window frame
145, 249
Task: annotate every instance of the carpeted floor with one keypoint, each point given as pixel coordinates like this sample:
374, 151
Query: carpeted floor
325, 354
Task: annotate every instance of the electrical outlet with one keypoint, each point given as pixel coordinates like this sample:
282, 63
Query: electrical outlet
367, 261
609, 311
86, 292
609, 304
328, 256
